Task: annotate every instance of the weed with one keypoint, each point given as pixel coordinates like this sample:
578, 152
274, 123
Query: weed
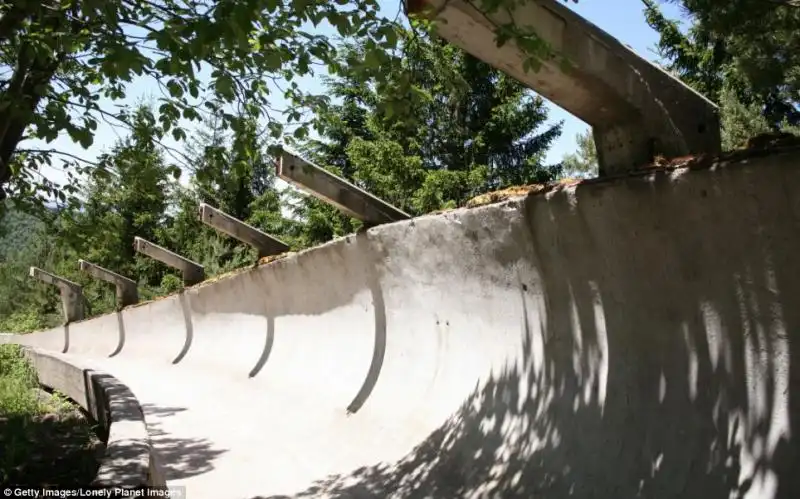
45, 439
18, 383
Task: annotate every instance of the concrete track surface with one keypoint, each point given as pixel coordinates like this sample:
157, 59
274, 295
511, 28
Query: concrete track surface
637, 337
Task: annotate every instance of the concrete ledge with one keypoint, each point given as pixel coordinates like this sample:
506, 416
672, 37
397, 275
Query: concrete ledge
128, 462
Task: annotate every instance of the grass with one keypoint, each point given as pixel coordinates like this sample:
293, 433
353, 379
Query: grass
46, 440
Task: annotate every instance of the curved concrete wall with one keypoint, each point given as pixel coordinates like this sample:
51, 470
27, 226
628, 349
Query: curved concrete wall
634, 337
127, 461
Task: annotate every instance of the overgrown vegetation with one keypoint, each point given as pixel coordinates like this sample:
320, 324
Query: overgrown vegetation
404, 115
743, 55
46, 440
488, 133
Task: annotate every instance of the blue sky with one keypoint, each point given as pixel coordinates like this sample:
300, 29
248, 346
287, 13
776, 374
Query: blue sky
623, 19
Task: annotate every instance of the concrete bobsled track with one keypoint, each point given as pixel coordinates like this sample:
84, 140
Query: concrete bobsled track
634, 337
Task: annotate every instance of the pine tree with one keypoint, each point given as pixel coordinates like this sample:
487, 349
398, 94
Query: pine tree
742, 54
465, 128
583, 162
126, 196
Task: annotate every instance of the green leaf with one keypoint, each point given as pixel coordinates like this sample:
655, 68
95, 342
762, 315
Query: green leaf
224, 86
175, 90
272, 60
275, 129
178, 134
372, 59
300, 133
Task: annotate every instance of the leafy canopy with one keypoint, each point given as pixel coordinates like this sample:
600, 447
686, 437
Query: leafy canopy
463, 128
749, 48
63, 63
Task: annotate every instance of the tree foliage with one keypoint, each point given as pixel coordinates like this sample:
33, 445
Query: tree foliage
473, 129
583, 162
744, 55
760, 41
465, 128
64, 63
133, 192
462, 114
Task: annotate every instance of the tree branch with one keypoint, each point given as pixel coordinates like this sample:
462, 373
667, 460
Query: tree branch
56, 151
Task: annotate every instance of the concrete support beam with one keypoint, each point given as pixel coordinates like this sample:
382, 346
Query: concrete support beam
127, 293
637, 110
264, 243
72, 300
336, 191
193, 273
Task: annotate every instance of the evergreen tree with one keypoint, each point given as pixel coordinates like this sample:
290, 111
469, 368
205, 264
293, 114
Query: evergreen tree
760, 41
474, 116
232, 173
583, 162
126, 196
465, 128
744, 55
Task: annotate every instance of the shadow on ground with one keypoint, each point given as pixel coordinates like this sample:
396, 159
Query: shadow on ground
655, 363
178, 457
65, 450
49, 450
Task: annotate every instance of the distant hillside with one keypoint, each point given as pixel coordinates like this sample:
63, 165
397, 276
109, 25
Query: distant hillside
18, 231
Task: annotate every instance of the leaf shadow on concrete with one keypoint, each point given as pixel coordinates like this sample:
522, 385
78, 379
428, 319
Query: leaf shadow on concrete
653, 365
178, 458
72, 449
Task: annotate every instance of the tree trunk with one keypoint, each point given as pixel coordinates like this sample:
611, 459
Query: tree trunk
27, 86
17, 106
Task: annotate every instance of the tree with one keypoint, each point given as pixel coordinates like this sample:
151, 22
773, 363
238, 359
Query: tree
460, 114
761, 40
60, 60
464, 128
133, 192
232, 173
472, 115
225, 164
742, 54
583, 162
339, 125
25, 304
127, 196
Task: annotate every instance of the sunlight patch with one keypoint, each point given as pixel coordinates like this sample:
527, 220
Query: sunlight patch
715, 336
599, 362
693, 373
